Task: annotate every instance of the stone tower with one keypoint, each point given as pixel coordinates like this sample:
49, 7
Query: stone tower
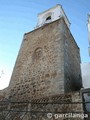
48, 62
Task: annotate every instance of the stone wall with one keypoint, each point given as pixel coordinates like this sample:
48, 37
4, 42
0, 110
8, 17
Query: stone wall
72, 70
47, 63
4, 93
45, 108
39, 69
46, 70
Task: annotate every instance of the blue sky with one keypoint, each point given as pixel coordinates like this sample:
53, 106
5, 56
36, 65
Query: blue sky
20, 16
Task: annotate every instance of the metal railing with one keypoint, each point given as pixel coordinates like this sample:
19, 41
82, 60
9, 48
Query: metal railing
11, 110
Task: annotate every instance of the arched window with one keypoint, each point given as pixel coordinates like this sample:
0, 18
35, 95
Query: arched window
48, 18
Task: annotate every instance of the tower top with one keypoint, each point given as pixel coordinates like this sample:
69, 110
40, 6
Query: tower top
51, 15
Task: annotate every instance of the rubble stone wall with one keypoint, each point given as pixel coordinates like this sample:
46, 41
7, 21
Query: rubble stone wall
47, 63
39, 69
42, 108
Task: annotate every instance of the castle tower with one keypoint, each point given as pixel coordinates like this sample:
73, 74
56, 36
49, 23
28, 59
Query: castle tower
48, 62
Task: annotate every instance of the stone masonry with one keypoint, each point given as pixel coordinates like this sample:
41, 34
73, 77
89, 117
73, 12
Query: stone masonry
39, 109
47, 75
48, 63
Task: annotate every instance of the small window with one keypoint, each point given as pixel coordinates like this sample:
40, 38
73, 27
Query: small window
48, 18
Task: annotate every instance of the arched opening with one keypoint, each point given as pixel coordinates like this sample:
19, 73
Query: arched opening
48, 18
37, 54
